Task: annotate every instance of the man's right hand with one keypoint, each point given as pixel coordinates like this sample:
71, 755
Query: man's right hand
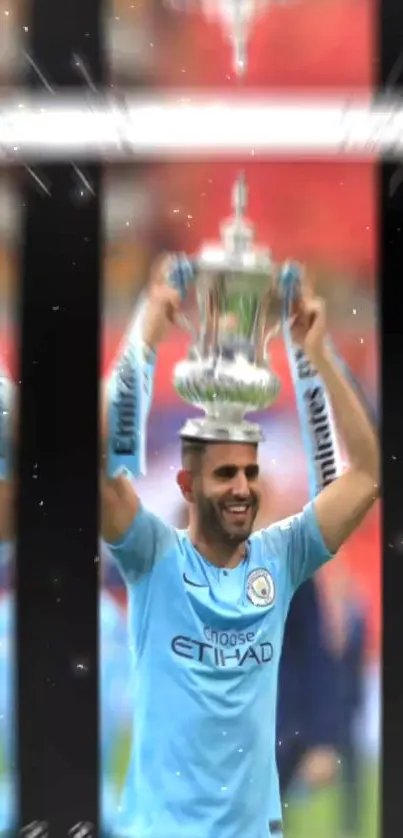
162, 305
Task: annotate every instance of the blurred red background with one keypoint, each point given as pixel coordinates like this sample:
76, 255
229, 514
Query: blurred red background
320, 213
300, 45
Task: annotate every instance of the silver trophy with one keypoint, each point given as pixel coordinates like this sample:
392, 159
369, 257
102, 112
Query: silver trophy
239, 304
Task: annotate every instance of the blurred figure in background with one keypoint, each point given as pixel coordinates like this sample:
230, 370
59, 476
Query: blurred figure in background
309, 712
328, 719
308, 708
352, 671
115, 669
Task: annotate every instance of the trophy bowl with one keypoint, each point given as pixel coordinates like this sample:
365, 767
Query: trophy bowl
238, 306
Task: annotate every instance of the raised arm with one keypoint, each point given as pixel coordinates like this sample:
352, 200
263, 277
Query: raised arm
342, 505
120, 504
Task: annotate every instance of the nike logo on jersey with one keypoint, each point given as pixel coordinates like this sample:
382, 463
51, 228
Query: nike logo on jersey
193, 584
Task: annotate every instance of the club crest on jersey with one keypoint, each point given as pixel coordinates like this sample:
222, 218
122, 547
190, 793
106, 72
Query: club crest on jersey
260, 588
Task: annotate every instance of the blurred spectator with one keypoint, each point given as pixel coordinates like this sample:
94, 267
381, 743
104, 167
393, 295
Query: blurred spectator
308, 721
309, 714
352, 698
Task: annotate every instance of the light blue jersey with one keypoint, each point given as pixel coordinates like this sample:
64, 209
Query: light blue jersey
115, 698
7, 720
207, 644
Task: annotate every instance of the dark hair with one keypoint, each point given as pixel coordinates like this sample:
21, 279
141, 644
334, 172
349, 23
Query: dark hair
192, 453
193, 450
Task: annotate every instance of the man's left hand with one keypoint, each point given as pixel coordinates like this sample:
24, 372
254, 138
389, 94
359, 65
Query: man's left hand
308, 327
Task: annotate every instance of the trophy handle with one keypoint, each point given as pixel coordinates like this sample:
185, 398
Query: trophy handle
184, 323
274, 332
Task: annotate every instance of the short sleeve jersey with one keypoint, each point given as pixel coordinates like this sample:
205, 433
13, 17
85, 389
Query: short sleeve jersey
207, 644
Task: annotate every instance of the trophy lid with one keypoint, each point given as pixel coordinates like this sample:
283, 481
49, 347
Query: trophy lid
237, 250
206, 429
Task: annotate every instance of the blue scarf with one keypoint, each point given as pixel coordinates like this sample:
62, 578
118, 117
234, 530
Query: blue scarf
315, 413
129, 400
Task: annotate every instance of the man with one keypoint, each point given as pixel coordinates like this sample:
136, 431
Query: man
208, 608
309, 689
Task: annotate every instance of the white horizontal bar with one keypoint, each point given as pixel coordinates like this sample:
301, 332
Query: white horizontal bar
129, 127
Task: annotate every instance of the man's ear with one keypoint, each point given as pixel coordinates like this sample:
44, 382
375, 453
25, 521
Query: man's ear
184, 479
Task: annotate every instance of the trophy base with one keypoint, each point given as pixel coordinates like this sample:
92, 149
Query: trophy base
207, 429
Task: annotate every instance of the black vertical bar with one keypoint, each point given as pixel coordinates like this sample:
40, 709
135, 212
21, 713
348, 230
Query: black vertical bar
59, 33
58, 464
388, 47
391, 222
389, 57
57, 505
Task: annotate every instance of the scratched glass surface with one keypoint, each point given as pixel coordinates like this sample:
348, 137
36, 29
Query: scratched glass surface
323, 215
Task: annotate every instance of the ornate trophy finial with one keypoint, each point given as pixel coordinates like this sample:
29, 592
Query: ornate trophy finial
240, 196
237, 17
237, 232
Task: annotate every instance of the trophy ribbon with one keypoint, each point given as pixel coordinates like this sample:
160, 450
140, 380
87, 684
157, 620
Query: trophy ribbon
318, 427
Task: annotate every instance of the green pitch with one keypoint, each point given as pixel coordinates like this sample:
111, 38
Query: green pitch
319, 816
315, 817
